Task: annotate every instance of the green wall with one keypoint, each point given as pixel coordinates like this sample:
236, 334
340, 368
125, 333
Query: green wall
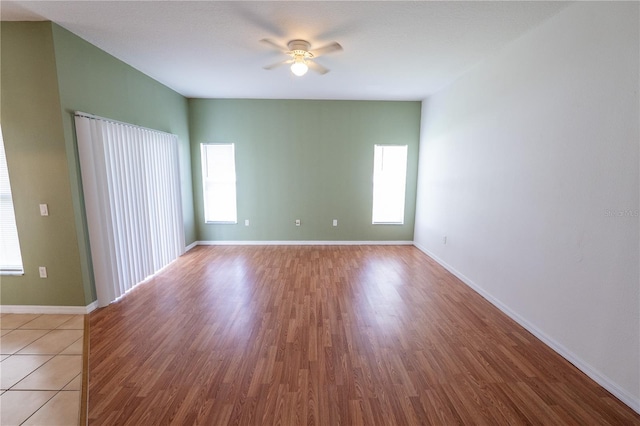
307, 160
95, 82
37, 161
46, 74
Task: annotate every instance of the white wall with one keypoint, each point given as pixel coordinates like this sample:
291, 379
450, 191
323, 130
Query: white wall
525, 164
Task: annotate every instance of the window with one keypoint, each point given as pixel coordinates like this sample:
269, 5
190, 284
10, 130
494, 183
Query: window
10, 258
219, 182
389, 181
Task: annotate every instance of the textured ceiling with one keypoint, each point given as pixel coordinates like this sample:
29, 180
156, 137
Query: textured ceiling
393, 50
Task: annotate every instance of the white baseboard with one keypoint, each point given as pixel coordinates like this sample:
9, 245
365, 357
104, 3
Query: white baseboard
92, 306
622, 394
304, 243
41, 309
190, 246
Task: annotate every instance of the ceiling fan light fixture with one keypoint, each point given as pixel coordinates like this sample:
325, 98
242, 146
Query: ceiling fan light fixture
299, 67
300, 57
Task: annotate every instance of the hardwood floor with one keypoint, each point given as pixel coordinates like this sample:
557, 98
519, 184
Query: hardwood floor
343, 335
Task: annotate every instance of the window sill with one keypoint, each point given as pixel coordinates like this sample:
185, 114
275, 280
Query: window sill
11, 273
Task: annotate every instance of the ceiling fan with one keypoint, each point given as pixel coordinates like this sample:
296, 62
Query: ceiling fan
302, 58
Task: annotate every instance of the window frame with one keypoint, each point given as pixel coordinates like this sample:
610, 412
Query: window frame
203, 159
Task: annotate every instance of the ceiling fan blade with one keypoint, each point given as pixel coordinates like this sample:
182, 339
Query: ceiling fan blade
329, 48
274, 44
278, 64
317, 67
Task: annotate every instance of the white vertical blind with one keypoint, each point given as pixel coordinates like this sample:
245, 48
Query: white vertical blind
10, 258
131, 186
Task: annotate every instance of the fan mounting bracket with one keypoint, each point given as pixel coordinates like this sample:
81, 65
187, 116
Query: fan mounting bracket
299, 48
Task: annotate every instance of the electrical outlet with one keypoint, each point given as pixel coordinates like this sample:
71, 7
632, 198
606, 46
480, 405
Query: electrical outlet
335, 222
444, 240
44, 210
297, 222
246, 222
43, 271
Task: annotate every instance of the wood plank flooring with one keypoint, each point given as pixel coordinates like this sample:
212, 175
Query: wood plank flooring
343, 335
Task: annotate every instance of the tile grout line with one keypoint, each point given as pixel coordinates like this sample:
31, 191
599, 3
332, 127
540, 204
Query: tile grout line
42, 337
30, 343
43, 390
37, 409
16, 328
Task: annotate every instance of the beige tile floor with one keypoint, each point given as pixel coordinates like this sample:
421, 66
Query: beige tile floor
40, 369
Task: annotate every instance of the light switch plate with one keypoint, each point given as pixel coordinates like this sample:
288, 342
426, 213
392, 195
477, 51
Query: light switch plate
335, 222
44, 210
43, 271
